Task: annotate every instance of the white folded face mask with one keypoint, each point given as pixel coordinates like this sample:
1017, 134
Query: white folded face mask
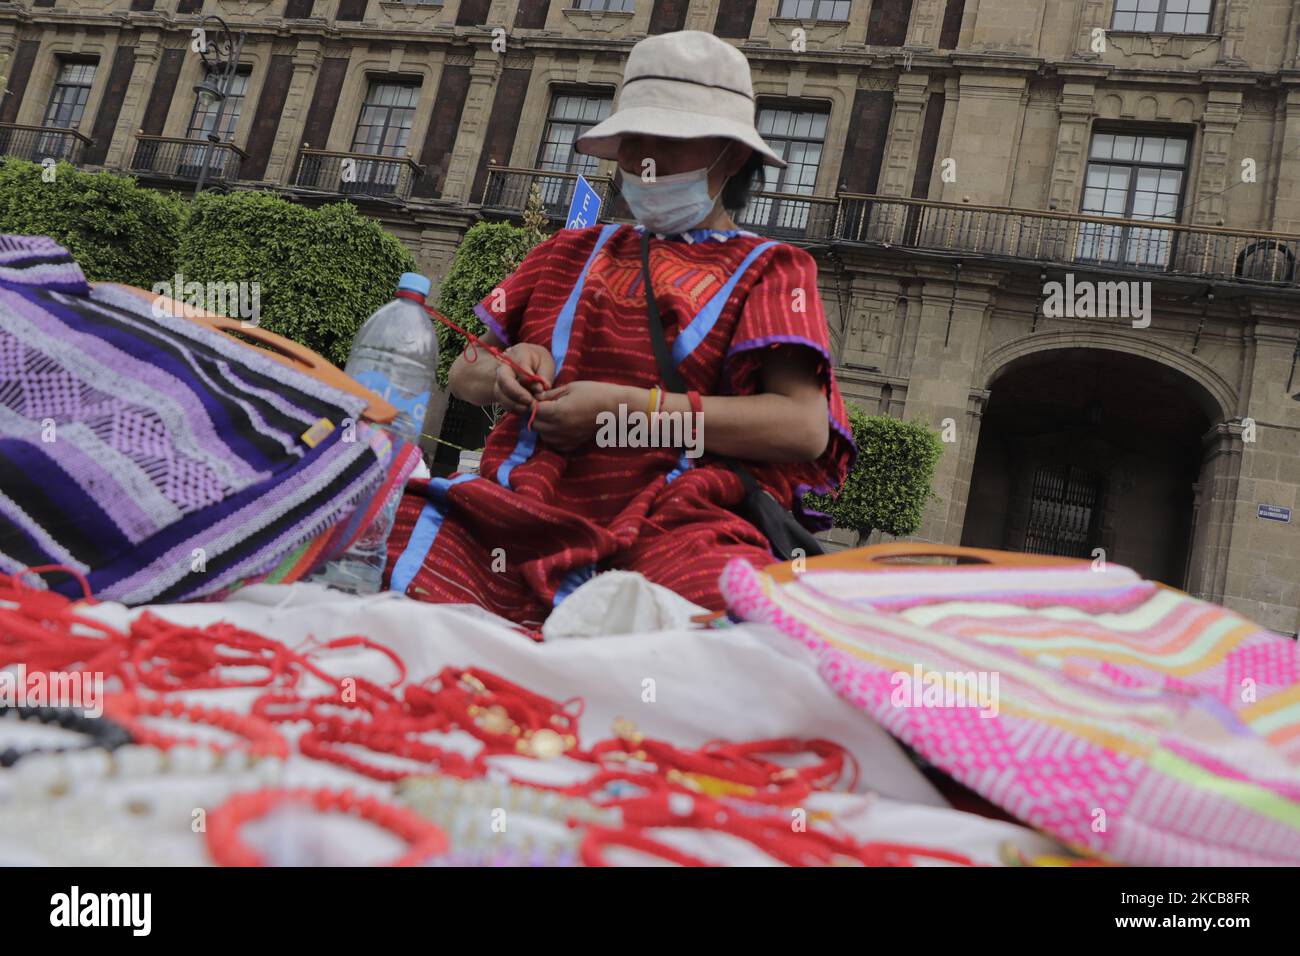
671, 204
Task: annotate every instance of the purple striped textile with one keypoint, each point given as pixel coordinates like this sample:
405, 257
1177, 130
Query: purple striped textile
161, 460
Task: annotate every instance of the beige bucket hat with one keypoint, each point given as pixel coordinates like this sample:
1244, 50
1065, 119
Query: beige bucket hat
682, 85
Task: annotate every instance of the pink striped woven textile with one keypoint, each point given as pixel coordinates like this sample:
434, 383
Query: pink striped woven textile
1129, 721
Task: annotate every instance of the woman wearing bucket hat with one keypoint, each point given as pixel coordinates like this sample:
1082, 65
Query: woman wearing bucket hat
573, 480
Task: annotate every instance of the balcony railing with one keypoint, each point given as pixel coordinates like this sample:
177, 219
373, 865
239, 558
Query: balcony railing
998, 232
38, 143
508, 189
788, 216
1067, 238
172, 158
356, 174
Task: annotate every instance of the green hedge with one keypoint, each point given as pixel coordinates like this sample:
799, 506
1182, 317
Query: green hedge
890, 483
488, 253
321, 272
117, 230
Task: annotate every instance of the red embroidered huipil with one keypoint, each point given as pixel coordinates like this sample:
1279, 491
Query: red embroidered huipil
536, 523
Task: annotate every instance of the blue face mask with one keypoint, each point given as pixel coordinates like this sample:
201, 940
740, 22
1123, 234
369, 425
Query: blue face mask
670, 204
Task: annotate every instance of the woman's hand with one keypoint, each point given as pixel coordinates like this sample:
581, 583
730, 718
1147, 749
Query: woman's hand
514, 395
566, 416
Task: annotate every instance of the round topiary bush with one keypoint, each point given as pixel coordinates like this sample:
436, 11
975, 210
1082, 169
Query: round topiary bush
320, 272
891, 481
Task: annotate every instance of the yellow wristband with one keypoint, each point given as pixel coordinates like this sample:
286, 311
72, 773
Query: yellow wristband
654, 401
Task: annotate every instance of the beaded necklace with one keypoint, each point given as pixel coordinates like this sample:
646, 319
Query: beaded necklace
99, 731
468, 810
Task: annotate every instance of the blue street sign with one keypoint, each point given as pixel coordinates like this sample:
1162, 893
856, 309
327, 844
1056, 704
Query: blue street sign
585, 208
1275, 513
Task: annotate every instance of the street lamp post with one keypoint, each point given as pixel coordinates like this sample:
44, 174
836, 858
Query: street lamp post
221, 58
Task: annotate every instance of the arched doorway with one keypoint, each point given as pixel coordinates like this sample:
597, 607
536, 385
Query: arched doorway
1084, 448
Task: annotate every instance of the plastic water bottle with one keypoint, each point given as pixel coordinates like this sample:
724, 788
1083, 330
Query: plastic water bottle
395, 354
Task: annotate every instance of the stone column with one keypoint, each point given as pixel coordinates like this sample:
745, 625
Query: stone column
1286, 200
1216, 499
1263, 561
701, 16
1075, 112
926, 23
147, 52
904, 135
1093, 14
764, 10
1222, 114
288, 135
942, 390
1292, 58
1233, 31
989, 110
473, 125
8, 46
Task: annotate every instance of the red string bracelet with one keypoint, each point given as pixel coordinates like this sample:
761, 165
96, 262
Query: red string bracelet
900, 854
320, 743
261, 739
733, 769
354, 640
772, 833
227, 848
51, 568
597, 838
820, 776
474, 343
172, 657
506, 717
41, 630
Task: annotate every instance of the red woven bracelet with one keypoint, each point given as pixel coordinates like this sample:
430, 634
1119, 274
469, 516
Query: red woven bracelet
322, 743
596, 838
262, 739
228, 849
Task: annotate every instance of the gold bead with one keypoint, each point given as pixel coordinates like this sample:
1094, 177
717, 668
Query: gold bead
496, 720
624, 729
545, 744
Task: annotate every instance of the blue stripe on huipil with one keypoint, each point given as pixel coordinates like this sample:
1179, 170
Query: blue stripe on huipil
698, 329
573, 580
700, 326
424, 533
683, 464
527, 441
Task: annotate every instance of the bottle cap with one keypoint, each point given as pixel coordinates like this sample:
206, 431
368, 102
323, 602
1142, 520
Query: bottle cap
414, 282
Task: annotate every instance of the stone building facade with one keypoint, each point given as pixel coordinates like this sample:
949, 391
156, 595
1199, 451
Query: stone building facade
951, 160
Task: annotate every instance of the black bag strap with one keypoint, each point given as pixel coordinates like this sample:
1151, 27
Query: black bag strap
667, 370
